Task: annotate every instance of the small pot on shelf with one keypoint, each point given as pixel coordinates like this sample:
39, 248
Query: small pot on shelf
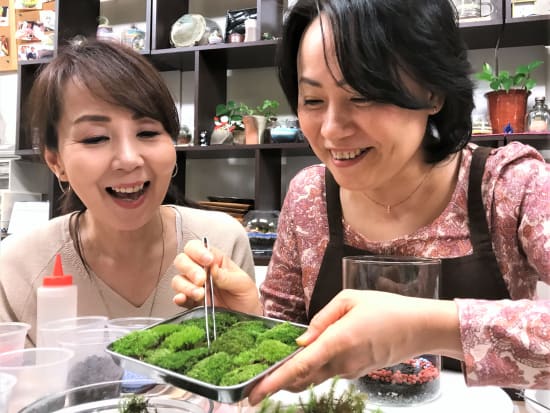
507, 109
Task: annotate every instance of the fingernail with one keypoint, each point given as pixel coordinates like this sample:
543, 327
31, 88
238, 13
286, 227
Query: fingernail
303, 339
207, 257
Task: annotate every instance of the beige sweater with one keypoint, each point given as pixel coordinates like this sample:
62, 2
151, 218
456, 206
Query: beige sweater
25, 259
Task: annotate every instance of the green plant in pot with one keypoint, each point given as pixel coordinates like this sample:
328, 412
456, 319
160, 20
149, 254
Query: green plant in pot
260, 118
507, 101
228, 122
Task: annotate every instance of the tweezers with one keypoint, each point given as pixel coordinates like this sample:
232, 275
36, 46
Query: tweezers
521, 393
209, 285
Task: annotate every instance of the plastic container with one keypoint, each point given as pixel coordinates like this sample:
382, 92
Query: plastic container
39, 372
91, 364
52, 332
12, 336
56, 298
133, 323
7, 382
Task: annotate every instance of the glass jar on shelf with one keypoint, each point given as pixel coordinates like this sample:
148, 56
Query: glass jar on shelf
538, 118
261, 228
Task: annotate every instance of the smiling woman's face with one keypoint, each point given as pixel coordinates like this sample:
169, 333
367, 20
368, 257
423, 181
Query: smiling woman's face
365, 144
119, 164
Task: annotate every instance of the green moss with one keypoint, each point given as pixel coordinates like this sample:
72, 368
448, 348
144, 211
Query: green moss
245, 346
254, 327
212, 368
285, 332
136, 343
242, 374
164, 330
223, 322
185, 338
350, 401
272, 351
180, 361
234, 341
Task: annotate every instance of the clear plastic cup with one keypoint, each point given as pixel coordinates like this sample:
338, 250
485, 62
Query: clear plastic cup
12, 336
39, 372
7, 382
91, 363
51, 332
133, 323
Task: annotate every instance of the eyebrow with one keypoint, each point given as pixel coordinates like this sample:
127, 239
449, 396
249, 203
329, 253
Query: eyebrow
340, 83
101, 118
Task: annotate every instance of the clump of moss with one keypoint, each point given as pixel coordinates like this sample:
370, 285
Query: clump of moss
284, 332
234, 341
243, 348
184, 338
242, 374
268, 351
180, 361
136, 343
212, 368
134, 404
350, 401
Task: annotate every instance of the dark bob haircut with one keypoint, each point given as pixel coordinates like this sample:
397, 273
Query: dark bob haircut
111, 72
375, 41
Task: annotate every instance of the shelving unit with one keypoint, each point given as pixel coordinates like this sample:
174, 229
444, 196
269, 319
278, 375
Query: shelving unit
209, 65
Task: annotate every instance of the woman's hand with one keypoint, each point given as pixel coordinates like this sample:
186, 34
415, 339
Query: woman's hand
360, 331
233, 287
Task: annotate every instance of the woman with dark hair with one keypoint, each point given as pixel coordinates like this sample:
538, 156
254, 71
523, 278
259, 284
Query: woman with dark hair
383, 95
107, 124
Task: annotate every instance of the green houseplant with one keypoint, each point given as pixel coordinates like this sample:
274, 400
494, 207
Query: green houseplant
507, 100
228, 122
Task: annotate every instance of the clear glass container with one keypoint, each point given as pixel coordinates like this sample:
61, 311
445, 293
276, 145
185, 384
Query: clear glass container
261, 228
538, 118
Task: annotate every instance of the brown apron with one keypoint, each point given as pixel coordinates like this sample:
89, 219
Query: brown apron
472, 276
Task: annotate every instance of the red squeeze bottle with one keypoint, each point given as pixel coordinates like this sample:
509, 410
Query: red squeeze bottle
55, 299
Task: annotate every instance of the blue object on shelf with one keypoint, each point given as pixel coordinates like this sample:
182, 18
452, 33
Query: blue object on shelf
283, 134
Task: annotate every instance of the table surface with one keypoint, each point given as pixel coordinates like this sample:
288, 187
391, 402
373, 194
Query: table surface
519, 407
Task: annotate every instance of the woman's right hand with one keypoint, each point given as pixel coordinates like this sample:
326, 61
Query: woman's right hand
233, 287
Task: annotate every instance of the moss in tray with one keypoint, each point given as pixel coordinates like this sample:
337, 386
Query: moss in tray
243, 348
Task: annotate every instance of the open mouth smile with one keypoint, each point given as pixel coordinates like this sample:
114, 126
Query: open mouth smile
129, 193
348, 155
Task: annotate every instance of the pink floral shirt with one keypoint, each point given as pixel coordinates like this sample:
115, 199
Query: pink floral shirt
516, 193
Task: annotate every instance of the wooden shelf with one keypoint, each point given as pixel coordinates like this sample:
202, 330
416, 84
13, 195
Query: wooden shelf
513, 32
244, 151
534, 139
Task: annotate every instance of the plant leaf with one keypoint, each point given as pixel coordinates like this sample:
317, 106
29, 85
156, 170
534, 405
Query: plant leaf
507, 84
530, 84
533, 65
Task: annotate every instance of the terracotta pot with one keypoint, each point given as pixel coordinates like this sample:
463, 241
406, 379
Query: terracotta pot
507, 108
250, 130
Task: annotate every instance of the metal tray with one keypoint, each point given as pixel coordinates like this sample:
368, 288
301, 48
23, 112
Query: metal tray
224, 394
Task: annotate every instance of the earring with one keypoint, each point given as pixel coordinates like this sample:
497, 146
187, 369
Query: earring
435, 110
434, 131
61, 186
175, 171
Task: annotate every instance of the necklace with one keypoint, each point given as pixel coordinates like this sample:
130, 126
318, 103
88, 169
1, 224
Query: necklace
388, 207
93, 275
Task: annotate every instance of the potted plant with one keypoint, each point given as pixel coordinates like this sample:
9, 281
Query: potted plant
228, 122
507, 102
259, 119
